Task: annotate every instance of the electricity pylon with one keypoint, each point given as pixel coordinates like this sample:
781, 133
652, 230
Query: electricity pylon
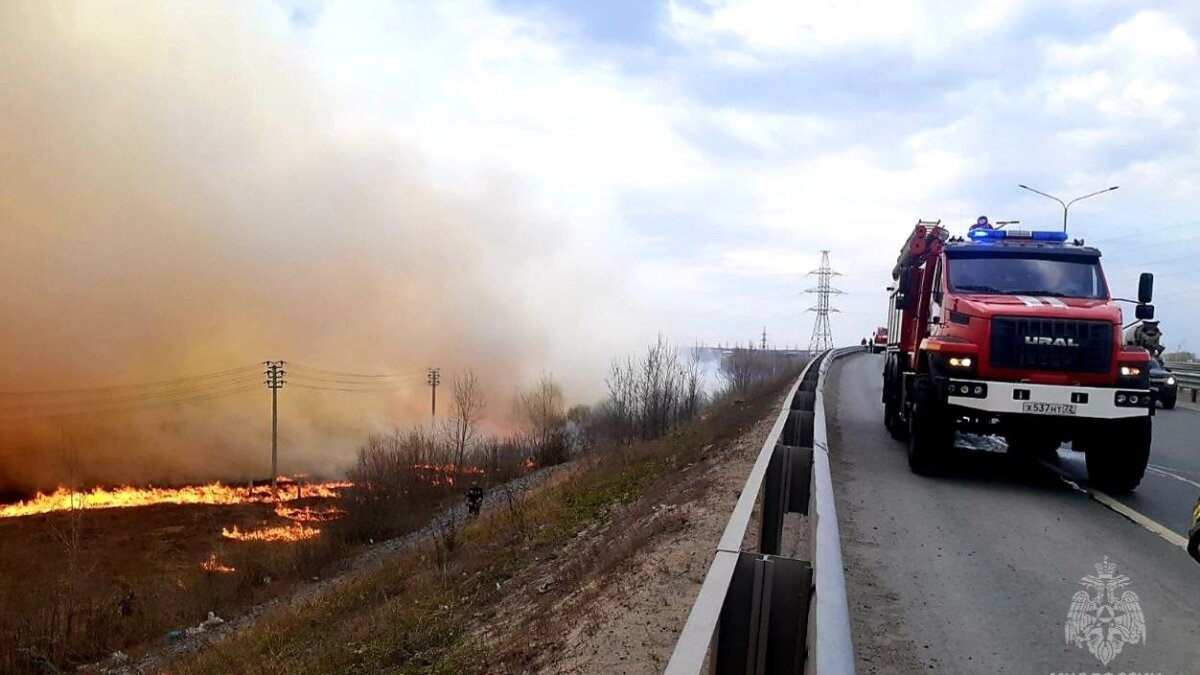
822, 335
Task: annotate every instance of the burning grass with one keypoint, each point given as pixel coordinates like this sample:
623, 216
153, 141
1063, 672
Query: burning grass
309, 514
292, 532
84, 574
212, 494
215, 566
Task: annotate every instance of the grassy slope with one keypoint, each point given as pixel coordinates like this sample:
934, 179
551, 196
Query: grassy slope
419, 614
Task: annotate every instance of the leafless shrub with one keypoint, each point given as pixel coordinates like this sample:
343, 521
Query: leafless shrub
743, 368
515, 509
391, 485
650, 396
504, 458
541, 411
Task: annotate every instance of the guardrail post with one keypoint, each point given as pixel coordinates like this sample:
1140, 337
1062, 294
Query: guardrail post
765, 617
785, 490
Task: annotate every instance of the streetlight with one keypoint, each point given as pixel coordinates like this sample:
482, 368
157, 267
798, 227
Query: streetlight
1067, 205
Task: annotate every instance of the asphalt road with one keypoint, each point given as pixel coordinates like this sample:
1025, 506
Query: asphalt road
1172, 481
974, 571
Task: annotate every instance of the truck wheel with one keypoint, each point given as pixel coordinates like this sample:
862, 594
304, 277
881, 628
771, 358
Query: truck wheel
892, 420
1117, 455
930, 433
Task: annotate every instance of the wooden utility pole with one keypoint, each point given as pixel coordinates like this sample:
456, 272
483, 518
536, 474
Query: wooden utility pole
274, 382
433, 378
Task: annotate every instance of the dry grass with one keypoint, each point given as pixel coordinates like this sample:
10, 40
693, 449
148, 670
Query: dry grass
425, 612
136, 574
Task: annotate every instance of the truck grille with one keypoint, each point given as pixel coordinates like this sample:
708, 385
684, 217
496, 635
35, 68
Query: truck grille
1073, 346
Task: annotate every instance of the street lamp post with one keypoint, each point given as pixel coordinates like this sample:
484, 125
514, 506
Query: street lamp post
1067, 205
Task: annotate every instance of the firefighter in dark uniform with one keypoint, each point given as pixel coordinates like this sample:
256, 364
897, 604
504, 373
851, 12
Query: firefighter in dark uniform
474, 500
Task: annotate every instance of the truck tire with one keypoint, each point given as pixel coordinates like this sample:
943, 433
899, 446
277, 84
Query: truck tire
1118, 453
930, 433
1168, 401
893, 422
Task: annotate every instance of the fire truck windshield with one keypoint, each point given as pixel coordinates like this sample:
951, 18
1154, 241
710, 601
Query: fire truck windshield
1073, 277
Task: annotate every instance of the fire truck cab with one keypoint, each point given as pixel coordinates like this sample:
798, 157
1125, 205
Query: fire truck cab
1015, 333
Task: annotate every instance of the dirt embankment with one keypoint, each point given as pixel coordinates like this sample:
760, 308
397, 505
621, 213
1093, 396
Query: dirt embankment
635, 577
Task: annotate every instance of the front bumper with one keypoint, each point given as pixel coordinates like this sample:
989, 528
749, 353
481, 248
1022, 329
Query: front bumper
1045, 400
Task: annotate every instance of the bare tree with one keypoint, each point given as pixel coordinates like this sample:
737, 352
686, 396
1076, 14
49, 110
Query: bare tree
692, 385
541, 411
737, 368
621, 406
659, 388
467, 405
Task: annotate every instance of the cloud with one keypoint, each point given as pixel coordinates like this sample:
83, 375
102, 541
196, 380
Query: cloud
531, 185
183, 191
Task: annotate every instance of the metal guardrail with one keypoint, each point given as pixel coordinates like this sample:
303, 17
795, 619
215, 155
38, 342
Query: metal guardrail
758, 611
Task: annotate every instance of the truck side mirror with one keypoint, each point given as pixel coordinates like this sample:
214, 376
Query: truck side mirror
1145, 288
1144, 312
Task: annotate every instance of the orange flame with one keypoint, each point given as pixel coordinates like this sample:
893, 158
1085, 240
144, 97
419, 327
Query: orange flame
309, 514
211, 565
292, 532
64, 499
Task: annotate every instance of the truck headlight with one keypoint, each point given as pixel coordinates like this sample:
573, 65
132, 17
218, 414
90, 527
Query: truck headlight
960, 361
1133, 376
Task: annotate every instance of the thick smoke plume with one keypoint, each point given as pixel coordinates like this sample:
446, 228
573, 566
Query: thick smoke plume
177, 196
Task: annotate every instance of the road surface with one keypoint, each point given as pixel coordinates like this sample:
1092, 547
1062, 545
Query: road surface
1172, 480
975, 571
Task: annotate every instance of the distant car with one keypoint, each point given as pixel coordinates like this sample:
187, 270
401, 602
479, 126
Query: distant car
1163, 384
879, 340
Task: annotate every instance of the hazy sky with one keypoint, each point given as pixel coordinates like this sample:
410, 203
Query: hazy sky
713, 147
520, 186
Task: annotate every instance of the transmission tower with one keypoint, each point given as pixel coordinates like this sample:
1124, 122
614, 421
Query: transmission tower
822, 335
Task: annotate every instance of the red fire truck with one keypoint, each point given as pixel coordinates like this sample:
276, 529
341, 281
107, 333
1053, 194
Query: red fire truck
1014, 333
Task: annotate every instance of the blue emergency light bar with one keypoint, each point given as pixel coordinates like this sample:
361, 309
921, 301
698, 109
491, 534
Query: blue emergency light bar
984, 235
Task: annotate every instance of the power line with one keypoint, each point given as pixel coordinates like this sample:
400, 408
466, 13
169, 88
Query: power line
312, 387
132, 397
179, 381
1142, 235
297, 367
194, 398
342, 380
